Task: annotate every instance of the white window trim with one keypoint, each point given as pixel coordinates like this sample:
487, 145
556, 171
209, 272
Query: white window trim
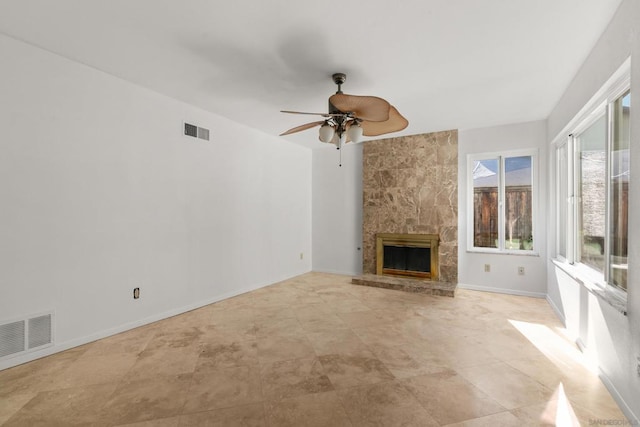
501, 155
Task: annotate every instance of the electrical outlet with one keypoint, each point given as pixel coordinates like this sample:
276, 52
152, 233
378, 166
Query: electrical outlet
487, 268
521, 271
136, 293
301, 255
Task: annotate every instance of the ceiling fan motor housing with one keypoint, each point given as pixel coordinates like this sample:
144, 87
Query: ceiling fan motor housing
339, 78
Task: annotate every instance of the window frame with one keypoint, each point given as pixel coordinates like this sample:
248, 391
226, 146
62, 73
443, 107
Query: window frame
501, 156
600, 105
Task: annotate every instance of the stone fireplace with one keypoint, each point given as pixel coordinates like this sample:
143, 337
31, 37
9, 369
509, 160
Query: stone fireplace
410, 187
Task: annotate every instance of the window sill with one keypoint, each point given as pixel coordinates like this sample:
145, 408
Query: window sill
503, 252
616, 299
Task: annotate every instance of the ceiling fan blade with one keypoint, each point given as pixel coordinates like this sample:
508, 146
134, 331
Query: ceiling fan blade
370, 108
312, 114
395, 123
302, 127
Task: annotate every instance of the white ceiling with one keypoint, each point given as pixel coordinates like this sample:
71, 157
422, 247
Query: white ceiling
444, 64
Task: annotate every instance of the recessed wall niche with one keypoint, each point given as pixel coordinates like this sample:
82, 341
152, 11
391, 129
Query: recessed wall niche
410, 185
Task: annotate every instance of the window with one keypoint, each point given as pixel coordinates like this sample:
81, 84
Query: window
619, 191
591, 146
562, 191
503, 201
592, 177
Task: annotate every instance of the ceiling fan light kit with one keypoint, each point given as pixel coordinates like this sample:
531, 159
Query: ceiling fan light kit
351, 117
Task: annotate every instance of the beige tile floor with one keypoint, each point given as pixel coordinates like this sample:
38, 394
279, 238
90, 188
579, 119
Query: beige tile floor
318, 351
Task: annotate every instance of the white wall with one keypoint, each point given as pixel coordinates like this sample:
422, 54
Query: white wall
503, 276
100, 193
337, 210
612, 338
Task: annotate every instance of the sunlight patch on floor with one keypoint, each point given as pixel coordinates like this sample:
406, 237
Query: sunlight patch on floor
554, 346
559, 411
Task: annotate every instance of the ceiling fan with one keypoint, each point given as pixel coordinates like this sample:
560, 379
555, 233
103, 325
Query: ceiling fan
350, 117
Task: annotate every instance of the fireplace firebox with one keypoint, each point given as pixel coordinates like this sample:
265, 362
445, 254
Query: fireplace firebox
409, 255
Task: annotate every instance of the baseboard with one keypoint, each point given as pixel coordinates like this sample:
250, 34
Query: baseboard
502, 291
557, 311
66, 345
342, 273
634, 419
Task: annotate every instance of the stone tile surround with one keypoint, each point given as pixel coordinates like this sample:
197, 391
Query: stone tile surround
410, 185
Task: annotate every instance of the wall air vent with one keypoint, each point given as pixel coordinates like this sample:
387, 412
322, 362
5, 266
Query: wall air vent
24, 335
12, 338
196, 131
203, 133
39, 331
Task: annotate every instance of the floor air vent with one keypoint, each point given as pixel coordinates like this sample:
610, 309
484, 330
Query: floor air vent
26, 335
196, 131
